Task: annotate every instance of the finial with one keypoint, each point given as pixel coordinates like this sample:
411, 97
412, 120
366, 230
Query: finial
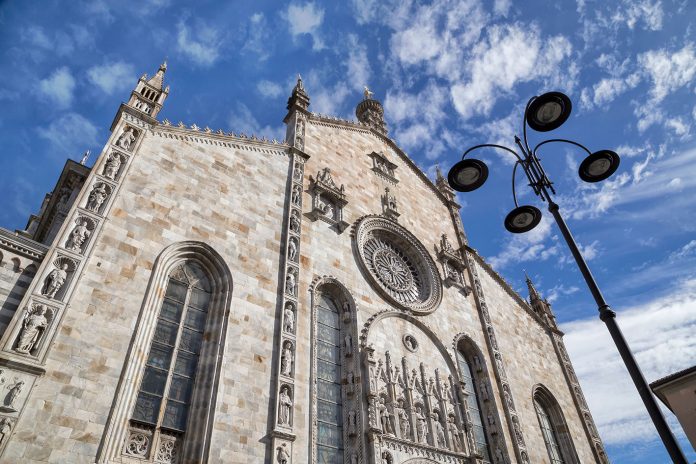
163, 66
368, 93
299, 85
438, 172
85, 157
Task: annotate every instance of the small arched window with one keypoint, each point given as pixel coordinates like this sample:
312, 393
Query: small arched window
553, 428
470, 376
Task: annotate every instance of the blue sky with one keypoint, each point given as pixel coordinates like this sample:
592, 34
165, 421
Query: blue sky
451, 74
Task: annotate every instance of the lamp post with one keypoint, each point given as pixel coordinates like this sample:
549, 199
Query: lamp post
545, 113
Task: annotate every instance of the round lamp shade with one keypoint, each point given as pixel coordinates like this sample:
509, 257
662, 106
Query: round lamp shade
467, 175
599, 166
548, 111
522, 219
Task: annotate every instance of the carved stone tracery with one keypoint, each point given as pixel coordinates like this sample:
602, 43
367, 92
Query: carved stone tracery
328, 200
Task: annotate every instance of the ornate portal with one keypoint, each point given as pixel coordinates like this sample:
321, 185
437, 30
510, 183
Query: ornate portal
397, 264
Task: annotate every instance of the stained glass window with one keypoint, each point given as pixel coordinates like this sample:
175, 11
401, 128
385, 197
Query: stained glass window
329, 403
165, 391
474, 406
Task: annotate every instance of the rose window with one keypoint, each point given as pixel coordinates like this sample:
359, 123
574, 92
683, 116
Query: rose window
397, 264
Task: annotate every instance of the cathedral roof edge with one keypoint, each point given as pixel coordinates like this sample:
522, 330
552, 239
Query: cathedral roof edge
196, 131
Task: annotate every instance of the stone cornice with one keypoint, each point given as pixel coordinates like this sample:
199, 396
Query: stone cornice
23, 246
220, 138
508, 288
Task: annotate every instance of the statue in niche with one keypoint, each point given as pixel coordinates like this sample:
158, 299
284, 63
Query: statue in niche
499, 364
353, 458
454, 434
289, 318
492, 425
33, 329
283, 457
385, 417
477, 364
404, 425
55, 280
390, 200
296, 193
439, 431
285, 405
348, 342
286, 359
350, 381
346, 311
499, 456
112, 165
297, 172
421, 426
97, 197
126, 139
11, 397
507, 397
77, 237
491, 335
5, 429
295, 221
292, 249
290, 282
485, 394
299, 134
445, 243
352, 426
373, 380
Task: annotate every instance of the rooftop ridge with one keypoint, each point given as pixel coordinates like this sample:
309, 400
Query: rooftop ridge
207, 131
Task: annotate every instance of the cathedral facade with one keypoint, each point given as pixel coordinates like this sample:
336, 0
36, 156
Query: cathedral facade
203, 296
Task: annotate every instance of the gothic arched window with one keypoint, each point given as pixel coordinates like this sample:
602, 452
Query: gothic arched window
468, 367
329, 400
553, 428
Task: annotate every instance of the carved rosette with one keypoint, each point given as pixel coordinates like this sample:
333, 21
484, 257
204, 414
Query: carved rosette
397, 265
499, 370
580, 403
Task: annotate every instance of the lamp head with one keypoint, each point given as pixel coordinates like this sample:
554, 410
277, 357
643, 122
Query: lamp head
599, 165
548, 112
522, 219
467, 175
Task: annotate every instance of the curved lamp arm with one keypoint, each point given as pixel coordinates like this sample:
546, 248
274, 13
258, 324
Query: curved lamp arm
563, 141
492, 145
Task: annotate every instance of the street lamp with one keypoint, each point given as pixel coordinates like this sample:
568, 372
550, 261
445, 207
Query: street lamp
545, 113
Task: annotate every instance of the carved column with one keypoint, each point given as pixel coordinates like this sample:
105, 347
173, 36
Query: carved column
578, 398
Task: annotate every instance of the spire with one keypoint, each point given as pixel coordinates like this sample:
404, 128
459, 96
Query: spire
299, 98
442, 184
370, 112
540, 306
533, 294
149, 94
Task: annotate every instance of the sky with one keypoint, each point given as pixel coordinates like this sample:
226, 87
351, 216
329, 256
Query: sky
451, 74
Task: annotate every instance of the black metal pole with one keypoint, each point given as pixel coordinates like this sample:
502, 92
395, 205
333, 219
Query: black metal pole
609, 318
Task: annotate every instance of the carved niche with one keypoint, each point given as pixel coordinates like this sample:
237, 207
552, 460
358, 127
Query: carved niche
63, 267
328, 200
98, 196
453, 268
35, 326
383, 167
79, 236
390, 207
112, 165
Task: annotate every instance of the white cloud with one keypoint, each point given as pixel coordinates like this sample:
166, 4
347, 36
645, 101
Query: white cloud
660, 334
201, 47
530, 246
510, 55
69, 135
328, 100
687, 250
258, 39
680, 128
112, 77
646, 11
306, 19
243, 120
357, 63
269, 89
557, 291
668, 71
607, 89
59, 87
502, 7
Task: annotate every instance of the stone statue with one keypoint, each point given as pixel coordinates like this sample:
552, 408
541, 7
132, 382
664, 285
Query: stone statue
368, 93
346, 310
454, 435
77, 237
97, 197
55, 280
499, 456
439, 431
348, 341
492, 425
353, 458
350, 381
285, 405
290, 283
283, 457
404, 425
13, 394
421, 426
385, 417
5, 429
352, 426
409, 342
518, 430
499, 364
32, 330
296, 192
491, 335
295, 222
112, 165
286, 359
485, 395
292, 249
126, 139
289, 319
297, 170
